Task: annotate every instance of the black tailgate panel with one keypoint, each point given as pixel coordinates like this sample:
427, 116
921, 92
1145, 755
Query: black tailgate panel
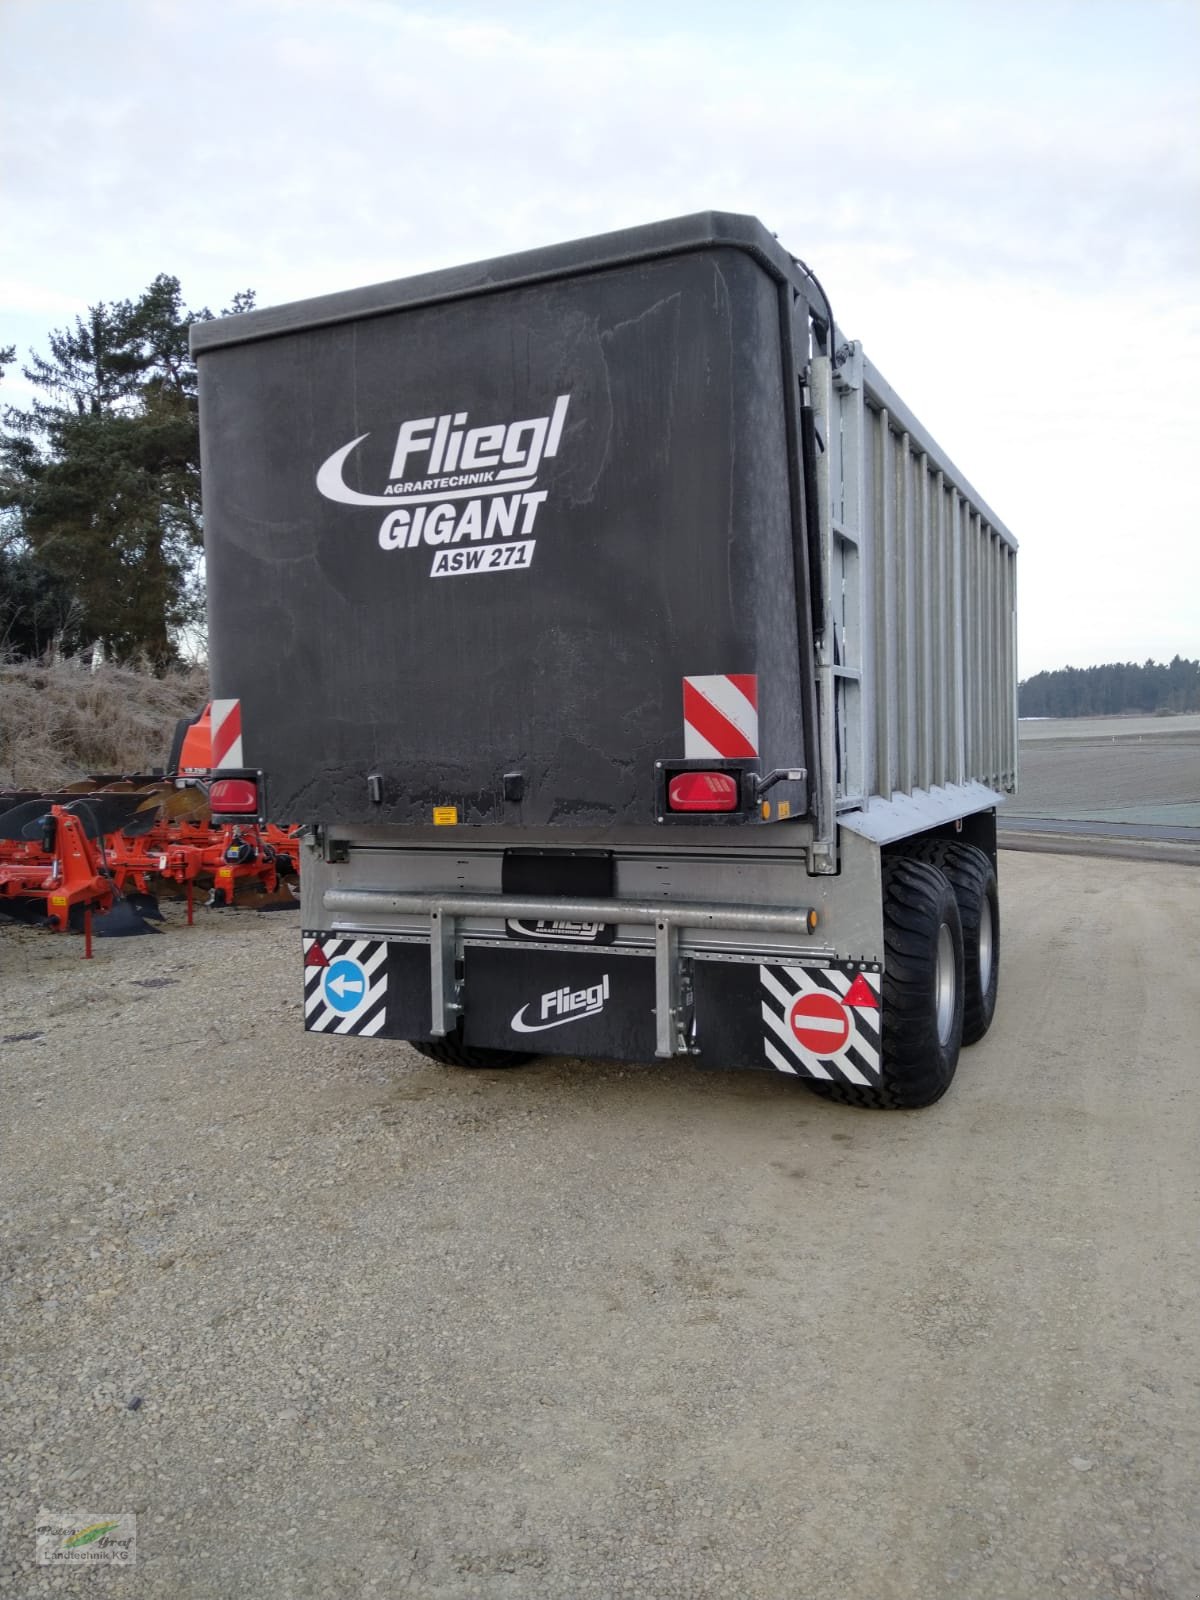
526, 668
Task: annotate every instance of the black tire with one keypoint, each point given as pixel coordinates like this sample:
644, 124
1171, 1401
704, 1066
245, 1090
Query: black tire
922, 992
452, 1052
973, 879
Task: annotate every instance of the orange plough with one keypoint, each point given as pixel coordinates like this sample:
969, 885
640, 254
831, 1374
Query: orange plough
98, 853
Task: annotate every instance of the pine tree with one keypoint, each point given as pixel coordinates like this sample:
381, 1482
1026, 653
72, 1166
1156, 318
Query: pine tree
1110, 690
102, 473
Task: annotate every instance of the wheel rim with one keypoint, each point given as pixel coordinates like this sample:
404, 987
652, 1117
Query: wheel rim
945, 984
986, 950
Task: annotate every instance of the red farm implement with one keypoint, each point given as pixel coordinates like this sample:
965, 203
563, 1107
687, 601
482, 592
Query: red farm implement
101, 851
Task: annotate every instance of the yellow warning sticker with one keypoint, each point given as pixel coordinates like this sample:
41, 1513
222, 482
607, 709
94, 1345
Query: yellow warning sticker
445, 816
785, 809
58, 899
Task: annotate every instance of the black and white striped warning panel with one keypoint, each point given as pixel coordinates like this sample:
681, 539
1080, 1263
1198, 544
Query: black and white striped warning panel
345, 984
822, 1022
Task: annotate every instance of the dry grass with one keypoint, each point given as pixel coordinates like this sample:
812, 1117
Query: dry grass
61, 721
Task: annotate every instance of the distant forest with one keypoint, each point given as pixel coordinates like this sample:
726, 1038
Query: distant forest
1121, 686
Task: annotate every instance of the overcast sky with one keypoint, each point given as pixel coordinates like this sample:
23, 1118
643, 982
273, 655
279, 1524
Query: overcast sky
1002, 198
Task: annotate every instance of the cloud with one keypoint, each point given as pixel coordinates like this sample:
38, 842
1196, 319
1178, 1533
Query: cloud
309, 141
28, 297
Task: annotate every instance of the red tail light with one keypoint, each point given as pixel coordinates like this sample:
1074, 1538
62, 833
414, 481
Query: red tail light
703, 791
233, 797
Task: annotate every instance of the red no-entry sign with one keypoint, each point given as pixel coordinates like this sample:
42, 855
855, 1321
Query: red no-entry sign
820, 1022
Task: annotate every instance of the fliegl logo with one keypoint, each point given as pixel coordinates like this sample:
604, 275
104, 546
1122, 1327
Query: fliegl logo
561, 1006
471, 493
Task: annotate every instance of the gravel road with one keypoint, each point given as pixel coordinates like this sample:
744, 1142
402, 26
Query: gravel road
587, 1330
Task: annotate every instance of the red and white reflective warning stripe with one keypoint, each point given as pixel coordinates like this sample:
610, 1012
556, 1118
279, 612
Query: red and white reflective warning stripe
720, 716
227, 734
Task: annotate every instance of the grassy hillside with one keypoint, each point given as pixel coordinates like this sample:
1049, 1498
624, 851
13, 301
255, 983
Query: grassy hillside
61, 721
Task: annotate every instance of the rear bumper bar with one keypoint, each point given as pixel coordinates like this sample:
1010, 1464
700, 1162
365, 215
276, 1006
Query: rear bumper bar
445, 910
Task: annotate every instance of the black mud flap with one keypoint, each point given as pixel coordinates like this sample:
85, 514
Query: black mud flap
594, 1004
803, 1021
376, 988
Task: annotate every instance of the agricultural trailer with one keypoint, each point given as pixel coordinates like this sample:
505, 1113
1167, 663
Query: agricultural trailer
641, 669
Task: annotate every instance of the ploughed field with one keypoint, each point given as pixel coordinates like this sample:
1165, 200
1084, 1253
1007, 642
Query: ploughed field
591, 1330
1131, 770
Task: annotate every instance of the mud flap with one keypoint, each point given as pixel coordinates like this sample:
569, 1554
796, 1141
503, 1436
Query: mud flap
376, 988
804, 1021
567, 1003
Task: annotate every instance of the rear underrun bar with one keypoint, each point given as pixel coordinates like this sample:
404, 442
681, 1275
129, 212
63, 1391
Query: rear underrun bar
444, 911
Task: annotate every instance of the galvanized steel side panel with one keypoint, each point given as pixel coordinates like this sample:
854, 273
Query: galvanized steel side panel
919, 650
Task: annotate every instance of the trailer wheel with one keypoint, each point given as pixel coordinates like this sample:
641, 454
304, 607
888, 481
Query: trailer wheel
922, 992
452, 1052
973, 879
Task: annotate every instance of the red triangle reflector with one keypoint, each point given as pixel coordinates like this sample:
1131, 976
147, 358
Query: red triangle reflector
316, 957
861, 994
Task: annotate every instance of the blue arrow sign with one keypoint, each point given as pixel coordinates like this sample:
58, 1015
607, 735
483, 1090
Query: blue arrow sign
345, 984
